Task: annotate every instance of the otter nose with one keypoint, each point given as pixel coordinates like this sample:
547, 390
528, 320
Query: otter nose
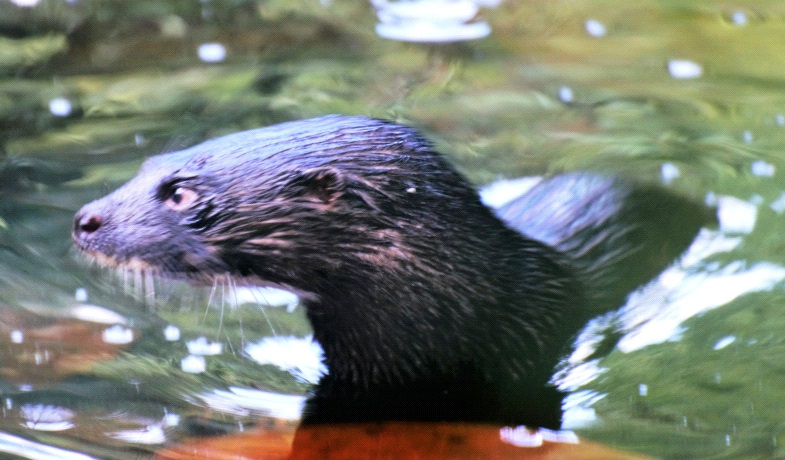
87, 222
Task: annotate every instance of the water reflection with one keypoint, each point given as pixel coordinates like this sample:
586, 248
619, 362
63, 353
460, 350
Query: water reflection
46, 418
25, 448
655, 313
247, 401
302, 357
268, 296
150, 434
430, 21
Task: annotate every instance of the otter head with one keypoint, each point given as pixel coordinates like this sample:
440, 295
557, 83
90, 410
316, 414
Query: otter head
295, 205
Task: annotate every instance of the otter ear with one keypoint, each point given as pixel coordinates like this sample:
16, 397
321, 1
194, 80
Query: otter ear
322, 184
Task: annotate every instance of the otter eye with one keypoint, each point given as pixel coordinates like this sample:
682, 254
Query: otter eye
181, 199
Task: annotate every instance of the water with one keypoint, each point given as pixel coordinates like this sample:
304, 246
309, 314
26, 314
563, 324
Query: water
685, 94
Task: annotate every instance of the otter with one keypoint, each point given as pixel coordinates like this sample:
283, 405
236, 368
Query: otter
428, 305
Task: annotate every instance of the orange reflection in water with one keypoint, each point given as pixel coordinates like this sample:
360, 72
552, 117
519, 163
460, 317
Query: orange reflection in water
37, 350
393, 441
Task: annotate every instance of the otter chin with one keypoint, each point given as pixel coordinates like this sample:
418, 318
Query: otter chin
428, 306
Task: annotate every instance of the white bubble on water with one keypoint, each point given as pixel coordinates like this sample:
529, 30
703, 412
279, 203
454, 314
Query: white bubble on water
684, 69
595, 28
118, 335
669, 172
724, 342
212, 52
172, 333
81, 295
193, 364
17, 336
200, 346
739, 18
566, 94
60, 107
25, 3
762, 168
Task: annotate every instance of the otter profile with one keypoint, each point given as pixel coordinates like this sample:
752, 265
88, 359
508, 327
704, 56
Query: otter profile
427, 305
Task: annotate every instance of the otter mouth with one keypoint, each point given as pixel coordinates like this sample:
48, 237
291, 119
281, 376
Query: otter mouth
105, 260
140, 277
147, 282
135, 268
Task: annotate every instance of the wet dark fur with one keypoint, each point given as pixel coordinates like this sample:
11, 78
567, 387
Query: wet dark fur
427, 306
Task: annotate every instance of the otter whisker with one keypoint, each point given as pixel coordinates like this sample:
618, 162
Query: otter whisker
122, 274
233, 287
138, 282
267, 317
210, 298
224, 282
149, 287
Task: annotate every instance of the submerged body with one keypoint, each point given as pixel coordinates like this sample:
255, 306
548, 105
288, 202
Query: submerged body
428, 307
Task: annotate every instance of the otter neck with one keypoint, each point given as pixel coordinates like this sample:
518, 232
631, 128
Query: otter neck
395, 328
433, 352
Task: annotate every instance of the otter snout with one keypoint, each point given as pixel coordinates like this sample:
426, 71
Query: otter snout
87, 222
